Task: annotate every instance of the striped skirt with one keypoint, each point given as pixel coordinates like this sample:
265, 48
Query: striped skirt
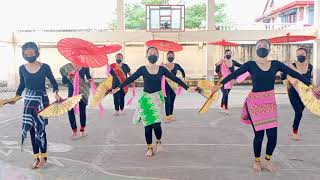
34, 102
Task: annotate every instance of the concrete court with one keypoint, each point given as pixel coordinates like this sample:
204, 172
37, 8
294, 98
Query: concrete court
196, 147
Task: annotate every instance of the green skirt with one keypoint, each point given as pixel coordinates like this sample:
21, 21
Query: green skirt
150, 109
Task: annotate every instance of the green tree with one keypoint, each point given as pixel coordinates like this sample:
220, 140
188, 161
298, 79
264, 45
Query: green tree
221, 15
154, 1
196, 15
135, 15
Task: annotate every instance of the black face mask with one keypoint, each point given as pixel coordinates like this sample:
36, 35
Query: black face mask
119, 61
30, 59
228, 56
153, 59
170, 59
262, 52
301, 58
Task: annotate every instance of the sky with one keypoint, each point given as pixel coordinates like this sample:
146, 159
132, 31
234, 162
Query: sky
51, 14
81, 14
244, 11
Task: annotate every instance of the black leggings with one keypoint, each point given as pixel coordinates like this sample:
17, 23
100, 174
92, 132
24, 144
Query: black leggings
271, 144
224, 99
118, 100
36, 144
298, 108
83, 117
157, 131
258, 139
169, 101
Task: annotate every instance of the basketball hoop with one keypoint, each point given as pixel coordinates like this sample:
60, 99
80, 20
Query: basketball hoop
163, 18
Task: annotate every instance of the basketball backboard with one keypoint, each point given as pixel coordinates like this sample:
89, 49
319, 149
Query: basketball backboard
165, 17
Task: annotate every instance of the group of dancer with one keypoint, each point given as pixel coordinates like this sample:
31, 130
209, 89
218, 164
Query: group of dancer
259, 110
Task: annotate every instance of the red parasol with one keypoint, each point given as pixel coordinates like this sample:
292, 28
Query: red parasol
290, 38
82, 52
223, 43
164, 45
109, 49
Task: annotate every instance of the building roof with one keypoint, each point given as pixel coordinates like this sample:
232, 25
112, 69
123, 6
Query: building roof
281, 8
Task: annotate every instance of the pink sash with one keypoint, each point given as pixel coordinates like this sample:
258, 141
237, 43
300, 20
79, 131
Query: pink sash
225, 71
76, 90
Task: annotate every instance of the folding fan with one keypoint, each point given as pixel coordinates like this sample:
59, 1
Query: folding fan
8, 101
61, 107
104, 88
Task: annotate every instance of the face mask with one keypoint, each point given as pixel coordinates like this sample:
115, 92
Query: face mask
30, 59
119, 61
170, 59
228, 56
301, 58
262, 52
153, 59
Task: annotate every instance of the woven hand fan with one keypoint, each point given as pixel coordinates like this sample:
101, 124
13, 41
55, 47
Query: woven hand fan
104, 88
7, 101
174, 86
205, 108
59, 108
310, 99
204, 88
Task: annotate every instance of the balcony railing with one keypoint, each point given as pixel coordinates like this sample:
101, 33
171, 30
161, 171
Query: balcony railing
221, 27
260, 26
64, 30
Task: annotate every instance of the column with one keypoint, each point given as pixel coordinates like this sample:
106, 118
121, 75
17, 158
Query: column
13, 75
210, 48
121, 23
316, 45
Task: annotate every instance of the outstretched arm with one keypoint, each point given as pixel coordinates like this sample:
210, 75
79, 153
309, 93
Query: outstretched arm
244, 68
174, 78
132, 78
285, 69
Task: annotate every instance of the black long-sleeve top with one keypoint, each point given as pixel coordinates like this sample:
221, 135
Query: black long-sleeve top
36, 81
308, 75
152, 82
177, 68
116, 82
234, 63
83, 73
264, 80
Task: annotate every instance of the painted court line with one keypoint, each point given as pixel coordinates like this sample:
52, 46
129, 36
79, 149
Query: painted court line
125, 145
10, 119
97, 167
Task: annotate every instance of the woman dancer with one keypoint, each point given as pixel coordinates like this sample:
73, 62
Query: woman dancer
303, 67
170, 91
68, 73
260, 109
33, 78
119, 72
226, 63
150, 104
